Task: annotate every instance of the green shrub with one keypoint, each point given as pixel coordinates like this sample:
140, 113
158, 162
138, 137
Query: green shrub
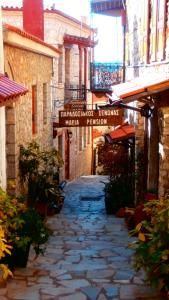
152, 246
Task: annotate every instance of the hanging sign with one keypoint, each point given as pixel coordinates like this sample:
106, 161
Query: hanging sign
80, 118
78, 105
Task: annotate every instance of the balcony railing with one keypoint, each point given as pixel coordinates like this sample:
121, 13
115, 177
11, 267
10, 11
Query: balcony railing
105, 6
104, 75
74, 92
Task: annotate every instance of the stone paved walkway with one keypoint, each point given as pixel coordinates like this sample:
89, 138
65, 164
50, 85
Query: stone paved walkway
87, 257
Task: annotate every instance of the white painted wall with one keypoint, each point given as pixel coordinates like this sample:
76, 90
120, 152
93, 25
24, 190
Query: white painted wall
2, 118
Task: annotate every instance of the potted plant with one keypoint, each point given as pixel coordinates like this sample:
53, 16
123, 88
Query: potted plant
117, 162
37, 170
23, 227
152, 246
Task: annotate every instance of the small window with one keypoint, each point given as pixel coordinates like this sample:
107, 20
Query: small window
158, 30
44, 103
34, 109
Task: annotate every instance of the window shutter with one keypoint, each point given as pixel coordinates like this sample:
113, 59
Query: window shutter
144, 32
161, 29
153, 33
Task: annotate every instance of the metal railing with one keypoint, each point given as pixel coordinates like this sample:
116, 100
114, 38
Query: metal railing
101, 6
75, 92
104, 75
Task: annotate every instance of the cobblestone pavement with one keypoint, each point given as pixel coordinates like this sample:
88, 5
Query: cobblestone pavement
87, 258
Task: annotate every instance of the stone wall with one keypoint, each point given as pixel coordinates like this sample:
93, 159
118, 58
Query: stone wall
80, 156
136, 65
29, 69
55, 28
56, 25
164, 151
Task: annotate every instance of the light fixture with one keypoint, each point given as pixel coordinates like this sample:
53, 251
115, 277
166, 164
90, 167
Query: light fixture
70, 134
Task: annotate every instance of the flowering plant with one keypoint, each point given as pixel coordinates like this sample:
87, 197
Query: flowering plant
4, 249
21, 226
11, 211
152, 246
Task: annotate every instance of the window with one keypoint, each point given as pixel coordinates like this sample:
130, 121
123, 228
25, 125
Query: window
161, 29
44, 103
34, 109
153, 30
158, 29
144, 31
152, 35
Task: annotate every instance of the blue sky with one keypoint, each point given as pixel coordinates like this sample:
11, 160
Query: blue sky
109, 47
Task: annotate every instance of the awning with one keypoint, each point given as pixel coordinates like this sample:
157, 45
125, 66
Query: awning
123, 132
97, 133
140, 87
10, 89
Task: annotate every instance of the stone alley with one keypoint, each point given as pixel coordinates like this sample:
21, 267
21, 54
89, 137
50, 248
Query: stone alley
86, 258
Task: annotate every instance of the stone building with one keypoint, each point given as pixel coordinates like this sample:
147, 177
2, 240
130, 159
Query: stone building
147, 60
146, 90
2, 119
29, 61
10, 93
71, 79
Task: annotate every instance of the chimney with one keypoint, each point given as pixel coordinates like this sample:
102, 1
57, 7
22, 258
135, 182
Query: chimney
33, 17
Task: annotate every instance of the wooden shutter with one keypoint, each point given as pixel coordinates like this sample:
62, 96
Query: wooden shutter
161, 29
153, 28
144, 31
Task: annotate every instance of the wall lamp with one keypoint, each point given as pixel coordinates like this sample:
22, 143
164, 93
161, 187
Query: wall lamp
70, 134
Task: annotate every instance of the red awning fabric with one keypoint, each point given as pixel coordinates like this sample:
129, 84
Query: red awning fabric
125, 131
97, 133
10, 89
141, 86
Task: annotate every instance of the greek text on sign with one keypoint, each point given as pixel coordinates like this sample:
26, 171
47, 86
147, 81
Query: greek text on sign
76, 118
